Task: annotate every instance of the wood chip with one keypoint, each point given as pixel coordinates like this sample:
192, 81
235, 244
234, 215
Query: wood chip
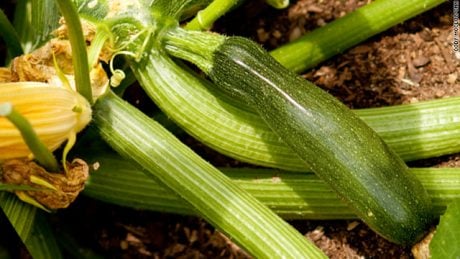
452, 78
446, 55
352, 225
314, 9
420, 61
426, 35
361, 49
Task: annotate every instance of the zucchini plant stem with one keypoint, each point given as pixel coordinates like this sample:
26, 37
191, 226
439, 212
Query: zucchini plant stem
343, 33
205, 18
212, 194
291, 195
79, 57
195, 46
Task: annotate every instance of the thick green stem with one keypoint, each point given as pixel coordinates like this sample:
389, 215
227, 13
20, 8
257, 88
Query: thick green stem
205, 18
77, 41
194, 46
212, 194
290, 195
346, 32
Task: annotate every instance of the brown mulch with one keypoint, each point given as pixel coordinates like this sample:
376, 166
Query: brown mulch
408, 63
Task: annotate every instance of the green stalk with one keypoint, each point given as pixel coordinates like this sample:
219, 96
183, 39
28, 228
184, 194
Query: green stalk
77, 41
346, 32
205, 18
41, 153
420, 130
290, 195
213, 195
100, 38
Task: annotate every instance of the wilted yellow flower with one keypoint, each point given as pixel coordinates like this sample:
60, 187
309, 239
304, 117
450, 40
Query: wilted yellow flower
54, 112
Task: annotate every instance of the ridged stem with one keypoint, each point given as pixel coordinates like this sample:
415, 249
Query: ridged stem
290, 195
212, 194
205, 18
343, 33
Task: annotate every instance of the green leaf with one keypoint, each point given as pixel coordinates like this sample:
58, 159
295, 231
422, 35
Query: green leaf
41, 243
446, 240
31, 226
20, 215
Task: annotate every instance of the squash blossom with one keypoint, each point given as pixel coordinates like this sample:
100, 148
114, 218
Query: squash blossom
55, 113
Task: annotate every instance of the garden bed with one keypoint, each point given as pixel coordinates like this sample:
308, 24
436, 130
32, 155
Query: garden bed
408, 63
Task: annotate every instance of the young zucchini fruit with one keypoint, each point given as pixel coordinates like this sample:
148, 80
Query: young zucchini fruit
339, 147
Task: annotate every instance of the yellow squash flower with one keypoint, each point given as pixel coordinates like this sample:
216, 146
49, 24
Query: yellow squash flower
56, 113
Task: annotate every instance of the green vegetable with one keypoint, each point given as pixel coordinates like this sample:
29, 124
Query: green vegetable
231, 127
339, 147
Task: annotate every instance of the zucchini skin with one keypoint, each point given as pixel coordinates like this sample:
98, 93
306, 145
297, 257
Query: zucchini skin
340, 148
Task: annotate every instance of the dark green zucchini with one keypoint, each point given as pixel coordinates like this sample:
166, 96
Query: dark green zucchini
338, 146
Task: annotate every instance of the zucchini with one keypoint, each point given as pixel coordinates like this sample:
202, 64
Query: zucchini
430, 128
339, 147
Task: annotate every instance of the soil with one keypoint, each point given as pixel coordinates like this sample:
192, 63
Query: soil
408, 63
